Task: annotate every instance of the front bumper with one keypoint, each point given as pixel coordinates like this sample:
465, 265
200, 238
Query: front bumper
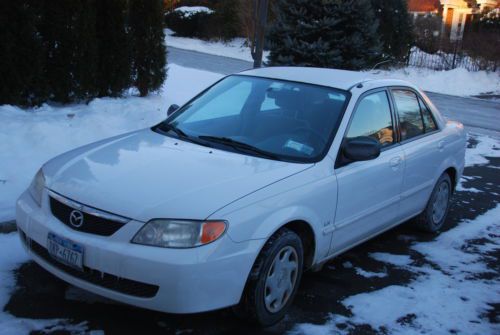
168, 280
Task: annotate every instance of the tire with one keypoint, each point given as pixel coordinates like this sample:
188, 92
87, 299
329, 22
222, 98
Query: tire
273, 269
432, 219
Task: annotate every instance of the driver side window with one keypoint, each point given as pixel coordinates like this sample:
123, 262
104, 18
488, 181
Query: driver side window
372, 118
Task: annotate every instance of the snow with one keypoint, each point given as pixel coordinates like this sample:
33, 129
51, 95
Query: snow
486, 147
347, 265
30, 137
462, 299
442, 60
235, 48
398, 260
369, 274
461, 188
188, 11
450, 294
453, 82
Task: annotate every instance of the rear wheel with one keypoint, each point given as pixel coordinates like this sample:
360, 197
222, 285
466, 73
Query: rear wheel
274, 279
433, 217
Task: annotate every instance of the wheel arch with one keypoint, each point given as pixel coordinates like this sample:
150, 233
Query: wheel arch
306, 234
453, 174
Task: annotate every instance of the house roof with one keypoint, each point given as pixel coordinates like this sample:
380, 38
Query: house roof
423, 5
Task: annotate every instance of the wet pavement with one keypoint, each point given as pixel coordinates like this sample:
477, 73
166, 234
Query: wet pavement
41, 295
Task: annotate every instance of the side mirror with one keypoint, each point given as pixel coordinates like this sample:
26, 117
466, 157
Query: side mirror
362, 148
172, 109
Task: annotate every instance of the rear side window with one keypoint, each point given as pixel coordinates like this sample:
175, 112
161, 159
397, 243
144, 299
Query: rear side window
429, 123
410, 117
372, 118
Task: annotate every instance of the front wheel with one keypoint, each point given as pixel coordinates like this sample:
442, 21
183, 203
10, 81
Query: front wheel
433, 217
273, 280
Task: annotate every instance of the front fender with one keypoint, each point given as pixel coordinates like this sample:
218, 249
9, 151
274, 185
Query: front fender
310, 196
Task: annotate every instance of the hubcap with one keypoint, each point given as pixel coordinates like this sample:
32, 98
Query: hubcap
281, 279
440, 202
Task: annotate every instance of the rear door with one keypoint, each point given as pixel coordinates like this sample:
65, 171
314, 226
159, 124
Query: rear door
422, 146
369, 191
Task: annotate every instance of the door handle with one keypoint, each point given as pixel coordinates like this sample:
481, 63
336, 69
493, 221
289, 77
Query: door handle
441, 145
394, 162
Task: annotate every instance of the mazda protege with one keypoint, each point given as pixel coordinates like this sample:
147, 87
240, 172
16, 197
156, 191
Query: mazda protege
262, 176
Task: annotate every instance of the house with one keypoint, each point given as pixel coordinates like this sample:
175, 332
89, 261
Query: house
423, 7
456, 14
170, 5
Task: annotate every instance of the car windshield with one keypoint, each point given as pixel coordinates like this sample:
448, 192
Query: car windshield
262, 117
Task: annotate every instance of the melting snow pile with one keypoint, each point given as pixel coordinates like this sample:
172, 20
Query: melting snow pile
453, 291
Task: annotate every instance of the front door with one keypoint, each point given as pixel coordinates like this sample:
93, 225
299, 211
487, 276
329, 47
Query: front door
369, 191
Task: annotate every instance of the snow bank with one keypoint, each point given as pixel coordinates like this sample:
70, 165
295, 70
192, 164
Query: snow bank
236, 48
454, 82
28, 138
188, 11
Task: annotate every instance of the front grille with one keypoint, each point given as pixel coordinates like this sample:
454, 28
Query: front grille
106, 280
92, 224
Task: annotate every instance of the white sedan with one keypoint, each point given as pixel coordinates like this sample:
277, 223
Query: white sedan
262, 176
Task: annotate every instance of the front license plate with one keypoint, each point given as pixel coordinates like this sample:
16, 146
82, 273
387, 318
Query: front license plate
65, 251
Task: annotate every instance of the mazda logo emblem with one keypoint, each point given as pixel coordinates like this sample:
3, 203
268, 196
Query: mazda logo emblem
76, 218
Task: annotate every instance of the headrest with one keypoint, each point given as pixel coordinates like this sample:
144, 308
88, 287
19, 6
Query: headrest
285, 97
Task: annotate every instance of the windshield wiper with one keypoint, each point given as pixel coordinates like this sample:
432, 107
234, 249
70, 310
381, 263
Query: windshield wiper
241, 146
166, 127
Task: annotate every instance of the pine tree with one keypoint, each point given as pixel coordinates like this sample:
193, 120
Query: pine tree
73, 50
57, 29
227, 19
114, 63
148, 44
85, 60
395, 28
21, 54
324, 33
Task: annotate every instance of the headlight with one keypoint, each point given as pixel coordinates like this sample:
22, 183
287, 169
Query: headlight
179, 233
36, 187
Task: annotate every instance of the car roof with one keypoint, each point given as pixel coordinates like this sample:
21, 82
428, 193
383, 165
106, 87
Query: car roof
341, 79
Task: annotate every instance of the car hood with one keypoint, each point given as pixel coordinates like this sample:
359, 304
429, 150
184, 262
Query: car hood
145, 175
